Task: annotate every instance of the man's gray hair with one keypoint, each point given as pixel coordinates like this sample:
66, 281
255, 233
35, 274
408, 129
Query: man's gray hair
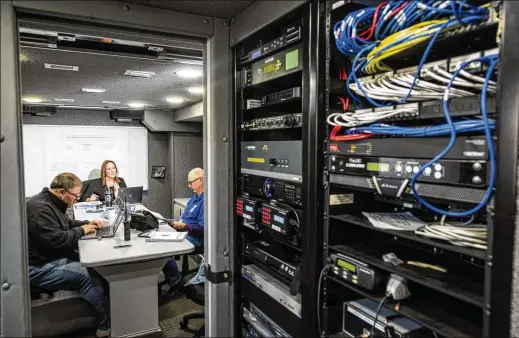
65, 181
196, 172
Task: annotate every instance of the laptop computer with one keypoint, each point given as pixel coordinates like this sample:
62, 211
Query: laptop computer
133, 194
107, 231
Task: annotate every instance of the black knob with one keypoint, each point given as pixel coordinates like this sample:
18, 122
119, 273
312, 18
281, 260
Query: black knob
288, 120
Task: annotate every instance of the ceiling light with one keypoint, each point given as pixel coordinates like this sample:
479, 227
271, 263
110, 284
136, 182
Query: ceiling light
139, 73
174, 99
136, 104
64, 100
111, 102
189, 73
61, 67
32, 100
196, 90
93, 90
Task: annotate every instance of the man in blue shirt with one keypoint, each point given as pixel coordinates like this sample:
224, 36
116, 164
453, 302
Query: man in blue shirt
192, 221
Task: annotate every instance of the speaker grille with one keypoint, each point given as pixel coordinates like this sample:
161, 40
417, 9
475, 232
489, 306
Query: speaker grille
38, 110
127, 114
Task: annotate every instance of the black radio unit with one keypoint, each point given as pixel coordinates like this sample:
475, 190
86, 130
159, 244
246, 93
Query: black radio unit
354, 271
279, 219
259, 251
464, 148
283, 95
274, 122
247, 208
289, 34
469, 173
286, 192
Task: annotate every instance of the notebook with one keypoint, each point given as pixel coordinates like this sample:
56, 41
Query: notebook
158, 236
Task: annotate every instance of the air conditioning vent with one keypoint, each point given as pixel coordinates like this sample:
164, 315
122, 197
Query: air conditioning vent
38, 110
124, 115
61, 67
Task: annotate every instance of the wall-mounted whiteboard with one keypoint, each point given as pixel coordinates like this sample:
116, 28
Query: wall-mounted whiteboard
50, 150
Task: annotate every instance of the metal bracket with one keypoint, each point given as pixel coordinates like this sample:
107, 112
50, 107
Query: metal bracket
216, 277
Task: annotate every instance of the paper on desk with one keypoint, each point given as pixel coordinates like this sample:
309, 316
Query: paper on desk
403, 221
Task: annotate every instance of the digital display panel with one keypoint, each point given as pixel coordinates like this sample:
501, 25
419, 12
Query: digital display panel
255, 54
269, 68
279, 219
380, 167
249, 208
347, 265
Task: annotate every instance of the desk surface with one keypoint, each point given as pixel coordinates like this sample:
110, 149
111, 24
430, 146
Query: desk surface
94, 252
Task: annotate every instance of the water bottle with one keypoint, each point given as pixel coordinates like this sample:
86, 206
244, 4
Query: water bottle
108, 198
127, 234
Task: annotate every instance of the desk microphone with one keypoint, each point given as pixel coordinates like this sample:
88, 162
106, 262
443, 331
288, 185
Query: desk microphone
126, 222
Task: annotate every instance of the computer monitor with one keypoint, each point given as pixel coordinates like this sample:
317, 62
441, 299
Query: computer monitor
133, 194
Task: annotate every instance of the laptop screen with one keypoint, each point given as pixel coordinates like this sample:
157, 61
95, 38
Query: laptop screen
132, 194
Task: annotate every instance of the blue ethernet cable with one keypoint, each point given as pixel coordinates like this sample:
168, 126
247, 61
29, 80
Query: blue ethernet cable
492, 60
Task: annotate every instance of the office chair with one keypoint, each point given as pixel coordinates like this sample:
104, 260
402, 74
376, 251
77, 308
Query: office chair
94, 173
195, 293
197, 257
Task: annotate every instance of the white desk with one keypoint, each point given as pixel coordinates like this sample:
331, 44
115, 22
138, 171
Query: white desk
133, 276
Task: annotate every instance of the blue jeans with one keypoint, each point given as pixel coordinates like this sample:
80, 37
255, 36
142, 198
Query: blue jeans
69, 275
170, 270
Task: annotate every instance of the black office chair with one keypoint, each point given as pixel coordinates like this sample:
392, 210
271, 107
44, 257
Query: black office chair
197, 294
196, 257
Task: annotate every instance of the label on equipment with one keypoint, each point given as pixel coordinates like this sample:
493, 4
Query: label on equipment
366, 318
255, 160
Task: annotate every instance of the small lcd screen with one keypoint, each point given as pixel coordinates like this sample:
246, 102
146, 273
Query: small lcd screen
347, 265
269, 68
279, 219
249, 208
255, 54
380, 167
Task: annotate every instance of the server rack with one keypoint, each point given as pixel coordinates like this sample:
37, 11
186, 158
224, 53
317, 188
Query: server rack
440, 307
307, 248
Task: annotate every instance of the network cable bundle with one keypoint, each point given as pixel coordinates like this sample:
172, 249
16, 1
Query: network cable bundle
412, 119
382, 96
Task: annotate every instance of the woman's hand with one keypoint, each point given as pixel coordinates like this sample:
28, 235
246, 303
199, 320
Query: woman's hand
92, 198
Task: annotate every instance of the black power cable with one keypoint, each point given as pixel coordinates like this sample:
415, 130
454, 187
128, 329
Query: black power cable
379, 307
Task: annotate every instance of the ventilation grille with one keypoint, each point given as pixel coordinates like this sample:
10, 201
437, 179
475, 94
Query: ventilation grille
39, 110
127, 114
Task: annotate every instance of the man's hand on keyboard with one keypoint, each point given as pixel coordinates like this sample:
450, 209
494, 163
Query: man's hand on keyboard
97, 223
89, 228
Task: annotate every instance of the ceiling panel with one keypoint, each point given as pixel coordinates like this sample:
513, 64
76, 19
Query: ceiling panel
219, 9
106, 72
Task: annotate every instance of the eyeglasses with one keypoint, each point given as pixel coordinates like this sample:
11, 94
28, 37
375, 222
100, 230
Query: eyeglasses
76, 196
191, 182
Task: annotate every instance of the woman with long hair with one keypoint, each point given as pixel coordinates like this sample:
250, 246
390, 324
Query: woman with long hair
107, 185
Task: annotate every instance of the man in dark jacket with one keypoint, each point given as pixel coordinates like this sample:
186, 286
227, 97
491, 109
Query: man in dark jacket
53, 237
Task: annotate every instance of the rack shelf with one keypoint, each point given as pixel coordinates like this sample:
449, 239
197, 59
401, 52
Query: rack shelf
360, 220
456, 286
428, 312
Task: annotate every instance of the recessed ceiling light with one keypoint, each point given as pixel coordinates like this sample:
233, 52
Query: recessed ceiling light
32, 100
136, 104
189, 73
139, 73
64, 100
196, 90
93, 90
61, 67
111, 102
174, 99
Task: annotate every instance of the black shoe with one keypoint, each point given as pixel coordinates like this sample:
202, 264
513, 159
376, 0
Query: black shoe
173, 293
